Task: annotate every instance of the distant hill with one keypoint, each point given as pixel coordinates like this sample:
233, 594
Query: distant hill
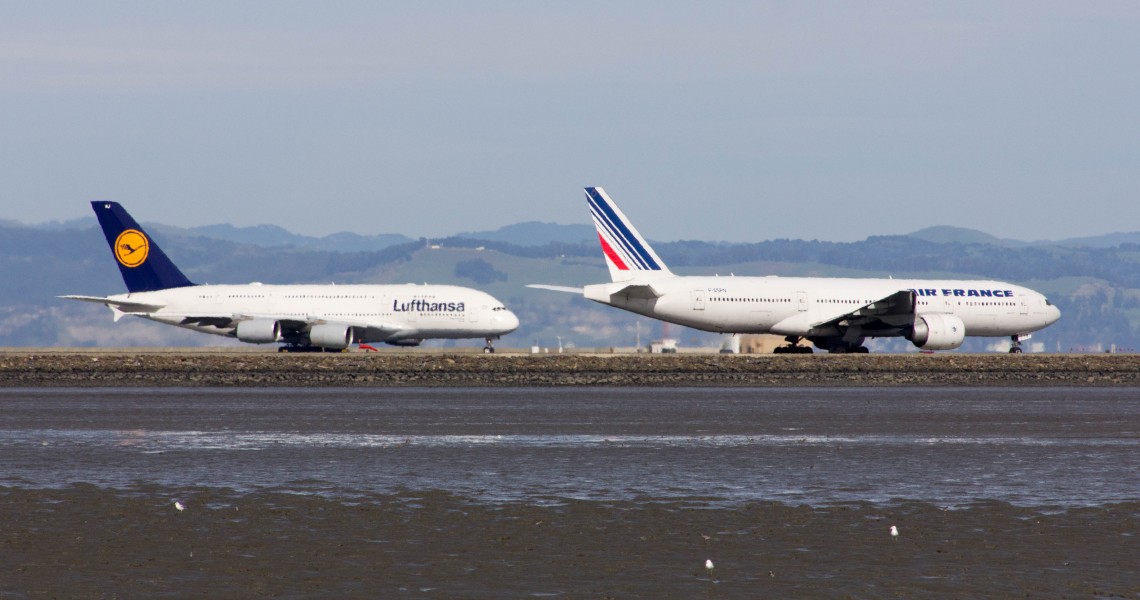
945, 234
535, 233
272, 236
526, 234
1097, 289
1100, 241
81, 223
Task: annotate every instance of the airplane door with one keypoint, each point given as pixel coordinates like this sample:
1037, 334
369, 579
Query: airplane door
698, 299
1024, 302
801, 301
473, 316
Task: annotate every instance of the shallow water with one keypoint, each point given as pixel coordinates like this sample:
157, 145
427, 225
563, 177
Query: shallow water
1034, 447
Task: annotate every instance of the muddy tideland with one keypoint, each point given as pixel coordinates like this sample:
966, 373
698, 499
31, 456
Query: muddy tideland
87, 542
255, 475
127, 367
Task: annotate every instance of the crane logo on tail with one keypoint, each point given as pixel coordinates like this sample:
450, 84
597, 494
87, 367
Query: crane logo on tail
131, 248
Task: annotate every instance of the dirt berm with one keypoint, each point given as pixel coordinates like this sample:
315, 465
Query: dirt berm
133, 368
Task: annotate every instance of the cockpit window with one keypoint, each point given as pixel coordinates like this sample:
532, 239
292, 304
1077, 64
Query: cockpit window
1048, 303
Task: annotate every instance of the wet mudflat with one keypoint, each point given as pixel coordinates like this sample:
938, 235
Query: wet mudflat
87, 542
582, 493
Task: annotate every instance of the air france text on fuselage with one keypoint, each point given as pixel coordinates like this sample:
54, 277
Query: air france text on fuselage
959, 293
419, 305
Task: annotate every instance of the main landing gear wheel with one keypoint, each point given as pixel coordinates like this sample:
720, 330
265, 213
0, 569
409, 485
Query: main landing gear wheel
792, 347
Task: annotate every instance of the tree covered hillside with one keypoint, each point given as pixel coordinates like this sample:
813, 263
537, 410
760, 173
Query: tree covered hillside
1097, 289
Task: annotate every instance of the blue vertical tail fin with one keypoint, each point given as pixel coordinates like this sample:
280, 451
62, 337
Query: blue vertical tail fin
144, 266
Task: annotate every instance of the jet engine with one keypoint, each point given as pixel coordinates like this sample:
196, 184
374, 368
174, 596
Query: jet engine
405, 342
938, 332
259, 331
333, 336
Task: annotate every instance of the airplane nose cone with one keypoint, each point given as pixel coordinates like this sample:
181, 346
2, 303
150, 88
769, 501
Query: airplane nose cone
508, 321
1054, 314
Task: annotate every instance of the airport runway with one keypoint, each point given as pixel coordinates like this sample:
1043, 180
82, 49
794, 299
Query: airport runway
570, 493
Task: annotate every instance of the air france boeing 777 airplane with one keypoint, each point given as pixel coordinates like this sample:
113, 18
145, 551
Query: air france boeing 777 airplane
834, 314
303, 317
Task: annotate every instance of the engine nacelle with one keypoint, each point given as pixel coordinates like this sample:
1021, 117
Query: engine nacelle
337, 337
259, 331
405, 342
938, 332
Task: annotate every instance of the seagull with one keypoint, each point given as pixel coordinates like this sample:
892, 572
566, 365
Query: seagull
709, 566
894, 533
179, 505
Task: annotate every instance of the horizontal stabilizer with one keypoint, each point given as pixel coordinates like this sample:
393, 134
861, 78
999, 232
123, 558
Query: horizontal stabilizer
640, 292
122, 305
556, 288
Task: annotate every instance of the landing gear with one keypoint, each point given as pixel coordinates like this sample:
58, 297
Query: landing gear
489, 348
1015, 344
793, 347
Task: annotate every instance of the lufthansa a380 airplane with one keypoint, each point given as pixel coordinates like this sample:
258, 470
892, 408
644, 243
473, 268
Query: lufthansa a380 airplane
303, 317
834, 314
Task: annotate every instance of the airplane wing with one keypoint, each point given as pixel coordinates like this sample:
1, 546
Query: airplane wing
891, 312
219, 321
556, 288
366, 330
372, 330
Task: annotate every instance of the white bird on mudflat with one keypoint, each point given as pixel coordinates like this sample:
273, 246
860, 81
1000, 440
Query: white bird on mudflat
894, 533
709, 565
179, 505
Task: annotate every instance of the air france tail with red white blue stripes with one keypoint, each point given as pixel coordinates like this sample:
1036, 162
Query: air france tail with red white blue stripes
626, 252
834, 314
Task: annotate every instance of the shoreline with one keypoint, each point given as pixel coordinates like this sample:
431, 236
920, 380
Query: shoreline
259, 368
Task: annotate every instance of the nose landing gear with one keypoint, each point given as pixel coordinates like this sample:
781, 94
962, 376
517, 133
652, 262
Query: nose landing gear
1015, 344
490, 347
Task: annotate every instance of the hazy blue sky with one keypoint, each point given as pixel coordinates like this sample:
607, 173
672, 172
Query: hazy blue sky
704, 120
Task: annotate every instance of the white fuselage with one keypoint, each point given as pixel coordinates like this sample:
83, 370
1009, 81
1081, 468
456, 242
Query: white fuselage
795, 306
388, 312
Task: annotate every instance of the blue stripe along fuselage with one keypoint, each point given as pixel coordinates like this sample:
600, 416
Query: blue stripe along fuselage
619, 231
